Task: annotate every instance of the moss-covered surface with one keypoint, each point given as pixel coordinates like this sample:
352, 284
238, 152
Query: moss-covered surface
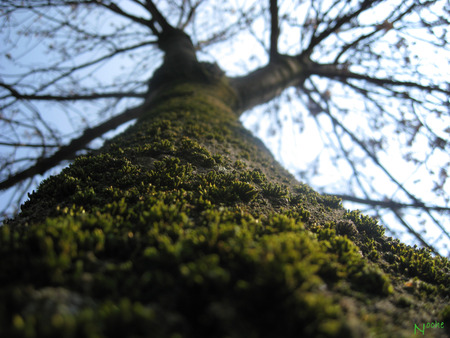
185, 226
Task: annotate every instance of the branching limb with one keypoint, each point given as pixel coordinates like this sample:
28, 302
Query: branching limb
159, 18
317, 39
30, 145
377, 162
275, 29
92, 62
390, 203
417, 203
184, 19
65, 152
116, 9
387, 25
415, 233
334, 71
14, 93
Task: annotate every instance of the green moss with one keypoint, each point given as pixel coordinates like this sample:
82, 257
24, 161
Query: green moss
234, 259
372, 249
255, 176
239, 164
417, 262
274, 190
169, 231
191, 150
346, 228
331, 201
365, 224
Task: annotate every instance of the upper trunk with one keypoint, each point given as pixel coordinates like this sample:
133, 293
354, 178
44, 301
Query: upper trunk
268, 82
185, 225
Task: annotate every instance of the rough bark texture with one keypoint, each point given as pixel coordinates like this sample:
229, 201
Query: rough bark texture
185, 226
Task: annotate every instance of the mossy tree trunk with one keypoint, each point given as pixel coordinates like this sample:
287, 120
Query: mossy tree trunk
185, 226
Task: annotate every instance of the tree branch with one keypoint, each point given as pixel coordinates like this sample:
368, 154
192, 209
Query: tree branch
375, 160
158, 17
415, 233
316, 39
116, 9
66, 152
275, 29
93, 96
31, 145
387, 24
333, 71
266, 83
390, 204
73, 69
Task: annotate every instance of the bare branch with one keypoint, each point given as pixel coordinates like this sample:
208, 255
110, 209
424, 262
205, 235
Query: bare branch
116, 9
415, 233
390, 204
66, 152
316, 39
275, 29
75, 97
372, 156
386, 26
377, 162
158, 17
91, 63
31, 145
339, 72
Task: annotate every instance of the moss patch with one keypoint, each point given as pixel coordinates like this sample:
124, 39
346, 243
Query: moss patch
185, 226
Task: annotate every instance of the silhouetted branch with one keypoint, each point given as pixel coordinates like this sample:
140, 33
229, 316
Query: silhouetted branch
116, 9
316, 39
93, 96
361, 144
93, 62
159, 18
390, 204
275, 29
415, 233
387, 25
189, 16
334, 71
65, 152
375, 160
31, 145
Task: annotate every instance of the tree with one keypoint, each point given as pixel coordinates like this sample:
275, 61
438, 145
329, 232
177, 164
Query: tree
362, 62
184, 224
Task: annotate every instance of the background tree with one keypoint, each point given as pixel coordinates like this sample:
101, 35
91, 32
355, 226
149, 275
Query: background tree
374, 85
184, 225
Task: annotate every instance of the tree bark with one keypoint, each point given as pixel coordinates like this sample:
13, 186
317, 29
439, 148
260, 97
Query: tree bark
185, 225
268, 82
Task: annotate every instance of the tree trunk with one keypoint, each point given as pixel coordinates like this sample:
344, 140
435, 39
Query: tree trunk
185, 226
